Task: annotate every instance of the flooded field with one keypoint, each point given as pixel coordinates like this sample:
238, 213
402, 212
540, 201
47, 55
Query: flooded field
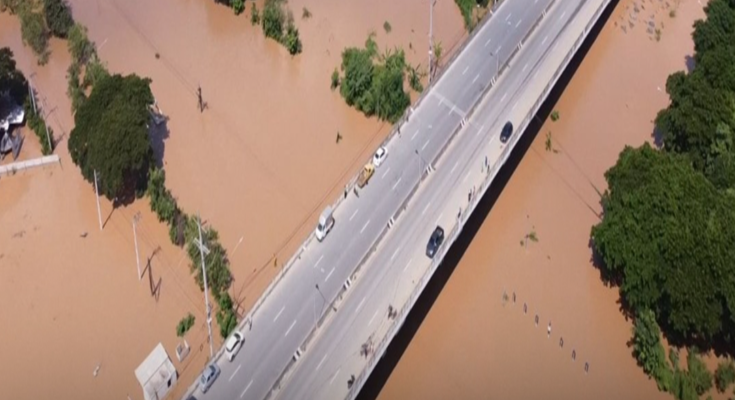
472, 344
259, 165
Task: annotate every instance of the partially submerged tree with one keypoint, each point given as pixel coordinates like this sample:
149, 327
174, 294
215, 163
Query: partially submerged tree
111, 136
58, 17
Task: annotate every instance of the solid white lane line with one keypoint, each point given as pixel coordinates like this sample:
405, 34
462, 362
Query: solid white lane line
321, 362
235, 373
279, 313
414, 134
503, 98
508, 17
465, 69
353, 214
246, 389
320, 258
359, 306
397, 182
524, 67
385, 173
335, 375
365, 226
407, 264
328, 275
498, 50
454, 167
394, 254
519, 22
289, 328
426, 208
371, 319
425, 144
476, 77
488, 42
544, 41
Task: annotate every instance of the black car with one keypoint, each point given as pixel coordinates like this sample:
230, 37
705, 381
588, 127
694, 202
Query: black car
436, 240
506, 132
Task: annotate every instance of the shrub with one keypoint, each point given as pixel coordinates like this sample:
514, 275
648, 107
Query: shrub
291, 39
273, 19
699, 374
305, 14
58, 17
35, 121
185, 324
554, 115
254, 14
335, 79
238, 6
724, 375
387, 27
648, 350
80, 47
34, 33
226, 317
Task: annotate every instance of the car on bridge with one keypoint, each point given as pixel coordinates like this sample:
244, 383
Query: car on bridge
436, 240
506, 132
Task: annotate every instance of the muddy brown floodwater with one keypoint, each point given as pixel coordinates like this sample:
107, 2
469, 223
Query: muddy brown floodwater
259, 165
471, 345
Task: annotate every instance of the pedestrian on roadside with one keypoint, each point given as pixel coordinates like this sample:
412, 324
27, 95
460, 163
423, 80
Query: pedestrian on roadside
536, 319
574, 354
561, 342
525, 308
548, 330
586, 368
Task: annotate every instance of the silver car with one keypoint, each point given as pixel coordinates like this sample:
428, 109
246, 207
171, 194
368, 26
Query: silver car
208, 377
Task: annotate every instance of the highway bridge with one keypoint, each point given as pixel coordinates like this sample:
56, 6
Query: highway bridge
332, 311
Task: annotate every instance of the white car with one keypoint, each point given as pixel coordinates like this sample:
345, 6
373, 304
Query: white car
234, 343
380, 156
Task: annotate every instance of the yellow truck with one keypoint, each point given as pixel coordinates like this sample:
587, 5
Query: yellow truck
367, 172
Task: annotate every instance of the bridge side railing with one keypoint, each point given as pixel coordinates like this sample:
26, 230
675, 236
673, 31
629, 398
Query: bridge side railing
464, 216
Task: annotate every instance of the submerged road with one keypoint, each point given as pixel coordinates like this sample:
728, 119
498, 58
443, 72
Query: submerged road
290, 313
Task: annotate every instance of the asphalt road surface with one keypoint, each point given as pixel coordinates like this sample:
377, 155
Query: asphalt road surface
289, 314
324, 369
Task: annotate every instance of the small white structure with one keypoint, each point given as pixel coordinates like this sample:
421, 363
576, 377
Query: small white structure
156, 374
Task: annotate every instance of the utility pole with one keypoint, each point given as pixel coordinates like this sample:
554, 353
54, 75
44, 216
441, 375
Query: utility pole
33, 98
97, 192
202, 251
431, 38
136, 218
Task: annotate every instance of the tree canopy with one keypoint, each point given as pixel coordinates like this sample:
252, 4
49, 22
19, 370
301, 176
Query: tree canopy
667, 238
111, 135
375, 88
11, 79
58, 17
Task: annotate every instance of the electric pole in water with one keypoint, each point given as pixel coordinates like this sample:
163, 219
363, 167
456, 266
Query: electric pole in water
97, 192
136, 218
203, 250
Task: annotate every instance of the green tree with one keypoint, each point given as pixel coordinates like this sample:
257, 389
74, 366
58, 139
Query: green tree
218, 273
11, 78
648, 350
80, 47
111, 136
724, 375
238, 6
254, 14
58, 17
34, 33
666, 239
185, 324
699, 374
226, 318
274, 19
291, 39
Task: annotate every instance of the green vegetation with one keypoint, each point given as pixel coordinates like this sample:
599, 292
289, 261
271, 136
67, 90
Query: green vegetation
238, 6
278, 25
254, 14
185, 324
415, 74
111, 136
33, 30
373, 83
387, 27
12, 79
226, 317
472, 11
58, 17
724, 375
554, 115
669, 217
335, 79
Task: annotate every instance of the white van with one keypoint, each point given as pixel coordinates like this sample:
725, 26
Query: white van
326, 221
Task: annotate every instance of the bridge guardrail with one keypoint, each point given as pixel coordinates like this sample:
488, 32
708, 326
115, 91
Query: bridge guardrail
457, 227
